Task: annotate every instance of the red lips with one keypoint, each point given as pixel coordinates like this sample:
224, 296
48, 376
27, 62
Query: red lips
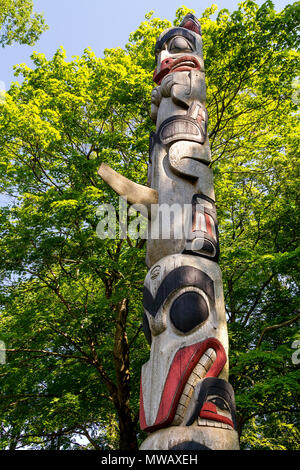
168, 65
183, 363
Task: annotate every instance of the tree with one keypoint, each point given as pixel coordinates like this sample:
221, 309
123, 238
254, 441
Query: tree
18, 22
71, 302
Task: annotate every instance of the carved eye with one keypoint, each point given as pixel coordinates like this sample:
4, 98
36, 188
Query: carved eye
188, 311
179, 44
220, 403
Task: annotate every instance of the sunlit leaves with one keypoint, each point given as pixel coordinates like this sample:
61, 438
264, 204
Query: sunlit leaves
19, 23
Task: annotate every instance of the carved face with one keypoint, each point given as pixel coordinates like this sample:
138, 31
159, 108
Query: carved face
179, 49
213, 400
177, 103
185, 322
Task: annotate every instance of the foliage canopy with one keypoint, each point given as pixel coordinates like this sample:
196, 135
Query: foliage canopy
19, 23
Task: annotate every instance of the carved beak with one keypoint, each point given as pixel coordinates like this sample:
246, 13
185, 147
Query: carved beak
155, 414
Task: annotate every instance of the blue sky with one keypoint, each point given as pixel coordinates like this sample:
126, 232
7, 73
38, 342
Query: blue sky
99, 24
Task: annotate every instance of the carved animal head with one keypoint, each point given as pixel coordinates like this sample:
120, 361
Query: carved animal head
185, 322
179, 49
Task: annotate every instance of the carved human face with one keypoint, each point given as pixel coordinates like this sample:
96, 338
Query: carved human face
177, 49
185, 323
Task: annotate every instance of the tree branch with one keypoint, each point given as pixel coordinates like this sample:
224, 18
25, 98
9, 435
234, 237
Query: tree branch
43, 351
276, 327
265, 284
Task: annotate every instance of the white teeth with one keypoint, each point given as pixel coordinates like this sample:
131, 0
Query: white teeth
202, 422
199, 371
210, 353
214, 424
208, 358
226, 426
197, 374
180, 410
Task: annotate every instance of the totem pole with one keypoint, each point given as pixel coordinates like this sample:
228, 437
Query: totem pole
186, 401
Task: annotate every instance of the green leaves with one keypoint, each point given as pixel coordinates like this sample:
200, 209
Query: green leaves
18, 22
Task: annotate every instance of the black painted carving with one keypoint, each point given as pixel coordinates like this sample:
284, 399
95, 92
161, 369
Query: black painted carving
146, 328
152, 141
181, 128
222, 390
189, 445
210, 247
180, 277
172, 33
188, 311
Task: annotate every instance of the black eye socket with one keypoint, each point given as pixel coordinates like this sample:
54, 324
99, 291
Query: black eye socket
220, 403
146, 329
188, 311
179, 44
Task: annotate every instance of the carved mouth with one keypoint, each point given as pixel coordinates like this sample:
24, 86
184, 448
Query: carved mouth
209, 415
184, 65
170, 65
190, 364
198, 373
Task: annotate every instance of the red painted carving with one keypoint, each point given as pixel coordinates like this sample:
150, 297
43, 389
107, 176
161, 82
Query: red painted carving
184, 63
209, 411
183, 363
208, 225
192, 26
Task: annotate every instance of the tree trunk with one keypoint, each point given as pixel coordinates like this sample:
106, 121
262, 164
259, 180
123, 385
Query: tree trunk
127, 426
127, 439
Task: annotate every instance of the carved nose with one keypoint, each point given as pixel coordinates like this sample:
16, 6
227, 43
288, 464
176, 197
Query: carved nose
167, 63
209, 407
162, 70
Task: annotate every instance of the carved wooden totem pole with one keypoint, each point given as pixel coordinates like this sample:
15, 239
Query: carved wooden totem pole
186, 401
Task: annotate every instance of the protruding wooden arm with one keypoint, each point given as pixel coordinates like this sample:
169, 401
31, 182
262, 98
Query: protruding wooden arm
135, 193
